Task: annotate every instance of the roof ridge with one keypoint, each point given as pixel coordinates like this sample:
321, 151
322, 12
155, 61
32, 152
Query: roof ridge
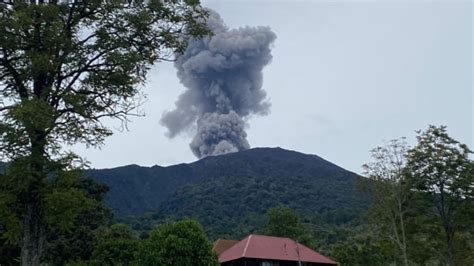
282, 237
246, 245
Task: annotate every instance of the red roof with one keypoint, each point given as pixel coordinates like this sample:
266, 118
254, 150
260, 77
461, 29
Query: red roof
221, 245
272, 248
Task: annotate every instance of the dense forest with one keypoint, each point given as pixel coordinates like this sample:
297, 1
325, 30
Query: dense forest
255, 179
65, 66
389, 216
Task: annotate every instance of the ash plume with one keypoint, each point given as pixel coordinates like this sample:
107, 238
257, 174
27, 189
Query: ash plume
223, 77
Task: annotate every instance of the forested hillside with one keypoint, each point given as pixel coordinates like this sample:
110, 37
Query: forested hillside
252, 182
229, 194
135, 190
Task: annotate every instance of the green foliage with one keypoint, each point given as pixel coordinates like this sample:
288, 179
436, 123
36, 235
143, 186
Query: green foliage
284, 222
129, 196
175, 243
74, 213
229, 195
78, 243
80, 62
421, 202
63, 199
235, 206
117, 245
178, 244
363, 253
65, 65
390, 194
239, 189
116, 252
260, 178
439, 166
119, 231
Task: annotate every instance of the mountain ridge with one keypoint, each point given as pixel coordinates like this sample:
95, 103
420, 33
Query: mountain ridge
207, 157
148, 187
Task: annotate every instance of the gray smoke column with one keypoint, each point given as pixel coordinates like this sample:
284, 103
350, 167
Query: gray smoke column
223, 77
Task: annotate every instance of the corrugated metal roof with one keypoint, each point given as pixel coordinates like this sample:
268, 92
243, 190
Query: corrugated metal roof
273, 248
221, 245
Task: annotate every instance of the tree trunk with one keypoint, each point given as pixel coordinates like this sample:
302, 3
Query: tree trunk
402, 227
404, 241
449, 241
444, 213
33, 235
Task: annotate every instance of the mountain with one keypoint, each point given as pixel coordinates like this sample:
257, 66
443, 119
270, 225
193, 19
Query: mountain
226, 190
134, 190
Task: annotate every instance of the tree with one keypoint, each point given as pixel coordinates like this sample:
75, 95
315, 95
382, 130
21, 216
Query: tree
118, 246
78, 243
74, 213
116, 252
363, 249
440, 167
284, 222
64, 66
119, 231
178, 243
389, 192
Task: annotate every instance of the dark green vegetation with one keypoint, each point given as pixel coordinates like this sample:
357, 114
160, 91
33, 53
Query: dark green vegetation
64, 66
176, 243
92, 242
275, 192
229, 194
284, 222
422, 206
135, 190
2, 168
285, 193
439, 168
72, 234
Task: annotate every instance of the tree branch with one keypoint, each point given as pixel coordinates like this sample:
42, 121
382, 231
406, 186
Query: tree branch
22, 90
4, 108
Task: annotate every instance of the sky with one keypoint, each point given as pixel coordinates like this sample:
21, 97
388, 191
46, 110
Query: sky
345, 76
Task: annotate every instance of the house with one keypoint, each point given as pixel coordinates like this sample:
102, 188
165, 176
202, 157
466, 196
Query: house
221, 245
259, 250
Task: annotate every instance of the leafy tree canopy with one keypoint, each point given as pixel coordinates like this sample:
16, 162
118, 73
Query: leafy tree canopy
390, 194
284, 222
440, 167
178, 243
65, 65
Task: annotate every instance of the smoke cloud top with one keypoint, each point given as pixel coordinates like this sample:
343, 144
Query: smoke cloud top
223, 77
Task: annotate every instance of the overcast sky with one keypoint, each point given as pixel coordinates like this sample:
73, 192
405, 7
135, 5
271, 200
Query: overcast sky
345, 76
